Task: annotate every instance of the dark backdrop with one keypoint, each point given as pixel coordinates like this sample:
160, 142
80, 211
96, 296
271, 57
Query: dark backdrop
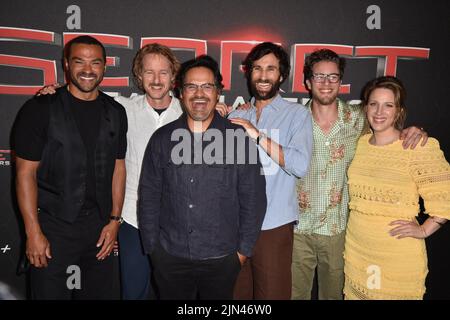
32, 34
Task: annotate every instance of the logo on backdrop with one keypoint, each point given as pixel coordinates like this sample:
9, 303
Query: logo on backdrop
387, 56
5, 157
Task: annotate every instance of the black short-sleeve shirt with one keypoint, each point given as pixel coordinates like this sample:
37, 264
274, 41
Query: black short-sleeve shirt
30, 134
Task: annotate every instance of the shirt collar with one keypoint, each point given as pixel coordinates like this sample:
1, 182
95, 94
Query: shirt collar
276, 103
341, 106
341, 111
217, 122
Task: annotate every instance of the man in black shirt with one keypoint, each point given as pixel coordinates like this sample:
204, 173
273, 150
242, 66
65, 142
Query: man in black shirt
70, 166
201, 194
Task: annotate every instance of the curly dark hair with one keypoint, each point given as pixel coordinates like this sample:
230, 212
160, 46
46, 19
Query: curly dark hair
201, 61
263, 49
322, 55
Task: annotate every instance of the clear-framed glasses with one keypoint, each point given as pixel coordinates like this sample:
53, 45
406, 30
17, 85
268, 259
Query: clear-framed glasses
192, 87
321, 77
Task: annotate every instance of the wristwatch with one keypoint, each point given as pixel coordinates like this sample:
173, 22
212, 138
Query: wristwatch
116, 218
261, 136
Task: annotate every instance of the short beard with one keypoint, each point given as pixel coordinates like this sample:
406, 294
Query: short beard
268, 95
327, 101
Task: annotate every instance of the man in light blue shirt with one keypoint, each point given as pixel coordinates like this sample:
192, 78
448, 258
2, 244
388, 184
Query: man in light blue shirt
283, 132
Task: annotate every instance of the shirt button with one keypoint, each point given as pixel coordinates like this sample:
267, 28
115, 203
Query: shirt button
191, 180
327, 143
190, 230
191, 206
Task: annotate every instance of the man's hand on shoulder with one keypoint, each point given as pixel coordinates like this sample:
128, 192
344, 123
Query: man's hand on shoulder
50, 89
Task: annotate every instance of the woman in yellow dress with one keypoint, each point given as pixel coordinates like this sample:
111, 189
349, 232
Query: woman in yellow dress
385, 254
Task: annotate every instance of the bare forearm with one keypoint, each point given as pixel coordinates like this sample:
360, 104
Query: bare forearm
26, 189
118, 187
432, 224
273, 149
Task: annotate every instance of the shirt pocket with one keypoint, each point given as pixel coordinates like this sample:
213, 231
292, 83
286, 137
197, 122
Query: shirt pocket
172, 177
217, 177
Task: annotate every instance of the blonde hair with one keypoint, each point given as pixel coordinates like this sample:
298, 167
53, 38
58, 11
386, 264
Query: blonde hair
153, 48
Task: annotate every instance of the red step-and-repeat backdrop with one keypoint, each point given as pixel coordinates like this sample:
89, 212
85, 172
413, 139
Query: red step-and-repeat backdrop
409, 39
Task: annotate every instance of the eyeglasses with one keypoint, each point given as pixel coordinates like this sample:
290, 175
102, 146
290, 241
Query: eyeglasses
192, 87
321, 77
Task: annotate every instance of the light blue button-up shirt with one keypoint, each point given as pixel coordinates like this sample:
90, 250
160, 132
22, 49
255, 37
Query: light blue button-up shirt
289, 124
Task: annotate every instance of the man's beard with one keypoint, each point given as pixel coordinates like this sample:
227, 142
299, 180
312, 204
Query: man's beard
326, 101
265, 95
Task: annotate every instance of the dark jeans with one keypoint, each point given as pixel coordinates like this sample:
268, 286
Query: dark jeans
135, 268
73, 246
185, 279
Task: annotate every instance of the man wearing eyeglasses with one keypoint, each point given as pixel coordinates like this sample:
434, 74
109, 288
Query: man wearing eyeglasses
323, 193
201, 194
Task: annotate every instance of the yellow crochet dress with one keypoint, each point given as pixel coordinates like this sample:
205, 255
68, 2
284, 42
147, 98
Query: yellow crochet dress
385, 183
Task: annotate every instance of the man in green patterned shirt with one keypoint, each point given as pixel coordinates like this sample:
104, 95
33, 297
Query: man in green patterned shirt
323, 193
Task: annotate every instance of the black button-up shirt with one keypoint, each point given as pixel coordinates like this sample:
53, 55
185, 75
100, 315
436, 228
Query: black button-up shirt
198, 209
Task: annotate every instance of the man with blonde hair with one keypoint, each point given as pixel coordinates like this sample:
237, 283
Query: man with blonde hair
154, 70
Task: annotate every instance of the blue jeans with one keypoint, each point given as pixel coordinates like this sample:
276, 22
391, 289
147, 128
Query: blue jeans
135, 270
